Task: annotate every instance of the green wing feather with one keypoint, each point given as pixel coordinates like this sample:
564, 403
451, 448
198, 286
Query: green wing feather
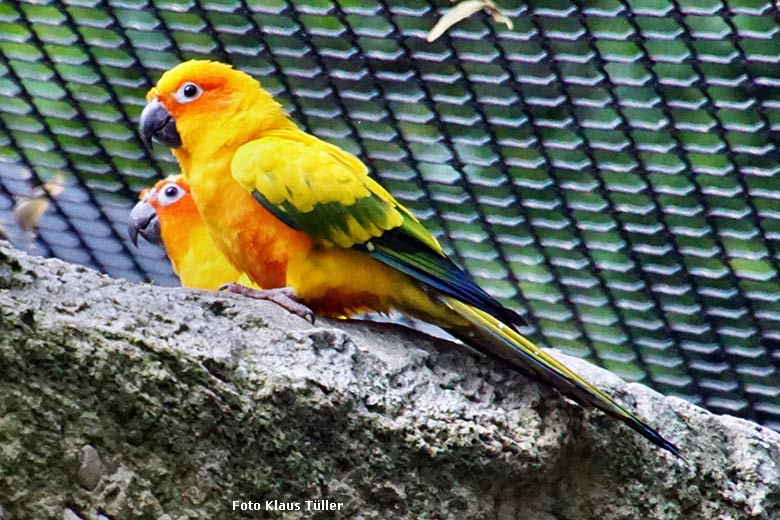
317, 188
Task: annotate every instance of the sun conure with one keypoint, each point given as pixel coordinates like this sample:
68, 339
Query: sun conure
303, 219
167, 215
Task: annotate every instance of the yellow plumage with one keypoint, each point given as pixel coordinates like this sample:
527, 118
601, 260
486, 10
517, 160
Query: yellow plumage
290, 210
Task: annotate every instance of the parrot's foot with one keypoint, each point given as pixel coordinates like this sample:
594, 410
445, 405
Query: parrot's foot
283, 296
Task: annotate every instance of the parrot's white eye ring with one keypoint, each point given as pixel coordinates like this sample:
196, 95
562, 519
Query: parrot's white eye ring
188, 92
169, 194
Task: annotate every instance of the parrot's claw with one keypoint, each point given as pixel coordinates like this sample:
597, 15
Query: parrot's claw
283, 296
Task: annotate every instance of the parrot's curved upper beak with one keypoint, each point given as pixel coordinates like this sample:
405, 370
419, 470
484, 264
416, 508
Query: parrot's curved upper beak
157, 123
144, 221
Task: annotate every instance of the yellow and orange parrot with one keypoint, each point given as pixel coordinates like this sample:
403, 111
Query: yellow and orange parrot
303, 218
167, 215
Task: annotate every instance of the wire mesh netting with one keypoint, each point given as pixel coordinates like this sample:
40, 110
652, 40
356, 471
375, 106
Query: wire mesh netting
609, 168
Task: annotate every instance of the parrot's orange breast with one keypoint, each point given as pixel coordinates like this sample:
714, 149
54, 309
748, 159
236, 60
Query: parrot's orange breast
254, 241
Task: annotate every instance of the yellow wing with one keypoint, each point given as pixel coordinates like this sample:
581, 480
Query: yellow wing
317, 188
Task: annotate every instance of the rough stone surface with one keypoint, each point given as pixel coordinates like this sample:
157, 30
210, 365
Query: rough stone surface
195, 399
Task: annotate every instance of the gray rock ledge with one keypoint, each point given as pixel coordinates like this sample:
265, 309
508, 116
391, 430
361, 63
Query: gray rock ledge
121, 401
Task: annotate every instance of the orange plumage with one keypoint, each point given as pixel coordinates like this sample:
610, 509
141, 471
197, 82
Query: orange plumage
294, 212
194, 257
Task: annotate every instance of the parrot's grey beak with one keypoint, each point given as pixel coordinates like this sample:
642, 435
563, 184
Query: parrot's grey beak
157, 123
144, 221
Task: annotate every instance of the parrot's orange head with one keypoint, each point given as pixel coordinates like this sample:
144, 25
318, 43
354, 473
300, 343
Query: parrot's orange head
166, 205
206, 102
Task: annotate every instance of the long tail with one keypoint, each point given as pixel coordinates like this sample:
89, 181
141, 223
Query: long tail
505, 342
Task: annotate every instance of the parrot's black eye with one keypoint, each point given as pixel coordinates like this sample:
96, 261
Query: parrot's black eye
188, 92
170, 194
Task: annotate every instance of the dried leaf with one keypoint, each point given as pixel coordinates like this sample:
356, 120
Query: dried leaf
54, 187
462, 11
500, 17
28, 211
